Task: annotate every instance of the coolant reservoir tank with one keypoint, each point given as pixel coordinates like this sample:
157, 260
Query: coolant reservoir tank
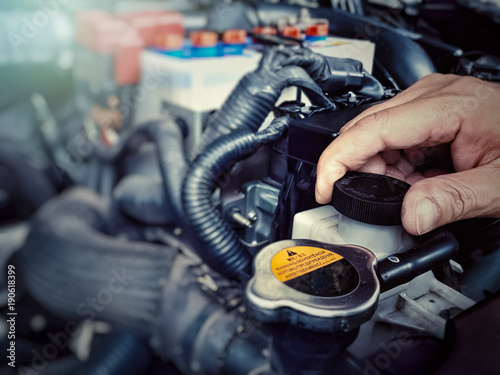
365, 211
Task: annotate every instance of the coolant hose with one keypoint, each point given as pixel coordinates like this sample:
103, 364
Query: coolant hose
143, 199
246, 108
219, 246
78, 273
169, 141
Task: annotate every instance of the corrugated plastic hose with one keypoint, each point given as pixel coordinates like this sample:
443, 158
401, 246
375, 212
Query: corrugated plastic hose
219, 246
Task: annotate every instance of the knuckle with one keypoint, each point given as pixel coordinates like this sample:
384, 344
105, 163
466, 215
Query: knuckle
468, 81
435, 83
455, 199
466, 87
431, 80
323, 163
463, 199
330, 164
379, 119
320, 165
433, 77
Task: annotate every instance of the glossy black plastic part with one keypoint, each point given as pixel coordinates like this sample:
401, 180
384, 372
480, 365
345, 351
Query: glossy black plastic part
370, 198
403, 267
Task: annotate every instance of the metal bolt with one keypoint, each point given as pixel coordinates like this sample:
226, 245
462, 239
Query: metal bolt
240, 219
252, 216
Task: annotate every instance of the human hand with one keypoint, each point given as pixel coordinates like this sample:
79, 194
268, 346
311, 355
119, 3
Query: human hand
439, 109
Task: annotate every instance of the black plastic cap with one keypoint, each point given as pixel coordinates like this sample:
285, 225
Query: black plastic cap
370, 198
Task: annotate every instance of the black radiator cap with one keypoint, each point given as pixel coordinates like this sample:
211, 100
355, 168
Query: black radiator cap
370, 198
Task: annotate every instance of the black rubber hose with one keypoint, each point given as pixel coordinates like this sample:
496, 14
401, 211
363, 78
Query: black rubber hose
79, 273
169, 141
129, 142
246, 108
256, 94
34, 187
114, 354
218, 244
143, 199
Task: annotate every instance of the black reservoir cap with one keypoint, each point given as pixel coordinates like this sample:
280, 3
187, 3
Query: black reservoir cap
370, 198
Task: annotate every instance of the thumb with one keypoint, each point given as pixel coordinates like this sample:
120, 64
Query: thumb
436, 201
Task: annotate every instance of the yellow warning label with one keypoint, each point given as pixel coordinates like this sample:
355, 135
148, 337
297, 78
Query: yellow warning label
300, 260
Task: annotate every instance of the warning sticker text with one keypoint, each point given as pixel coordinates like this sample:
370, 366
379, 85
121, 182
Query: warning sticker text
305, 259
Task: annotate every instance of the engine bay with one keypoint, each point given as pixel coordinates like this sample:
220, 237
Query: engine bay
158, 211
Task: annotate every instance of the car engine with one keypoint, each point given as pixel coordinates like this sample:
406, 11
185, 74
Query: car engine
157, 209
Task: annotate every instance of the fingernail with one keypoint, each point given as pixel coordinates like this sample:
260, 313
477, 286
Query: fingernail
426, 215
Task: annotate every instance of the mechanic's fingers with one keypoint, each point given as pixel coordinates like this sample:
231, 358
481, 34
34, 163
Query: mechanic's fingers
384, 130
404, 166
435, 172
370, 111
375, 164
414, 177
436, 201
391, 156
393, 172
